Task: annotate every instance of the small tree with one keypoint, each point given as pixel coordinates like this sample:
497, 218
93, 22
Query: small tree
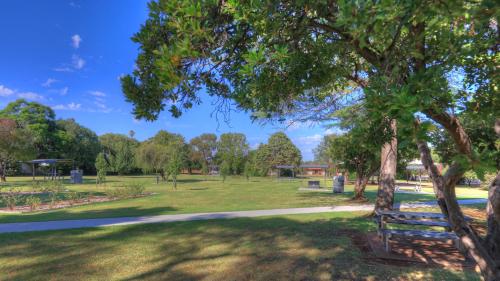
225, 170
175, 161
204, 169
248, 170
101, 166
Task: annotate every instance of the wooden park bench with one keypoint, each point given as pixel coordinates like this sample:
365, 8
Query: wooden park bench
416, 188
313, 184
417, 219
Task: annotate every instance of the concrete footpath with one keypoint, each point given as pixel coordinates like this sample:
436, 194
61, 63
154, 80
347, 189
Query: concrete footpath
103, 222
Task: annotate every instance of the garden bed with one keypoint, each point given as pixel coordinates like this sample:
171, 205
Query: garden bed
64, 203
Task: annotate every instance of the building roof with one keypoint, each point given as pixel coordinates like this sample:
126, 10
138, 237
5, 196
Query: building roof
285, 166
314, 166
50, 161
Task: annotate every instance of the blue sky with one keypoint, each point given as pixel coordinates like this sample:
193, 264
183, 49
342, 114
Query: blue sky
70, 54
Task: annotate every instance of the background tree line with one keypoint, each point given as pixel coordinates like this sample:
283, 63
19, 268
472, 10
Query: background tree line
30, 130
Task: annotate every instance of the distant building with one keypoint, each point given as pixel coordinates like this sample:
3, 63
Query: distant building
314, 170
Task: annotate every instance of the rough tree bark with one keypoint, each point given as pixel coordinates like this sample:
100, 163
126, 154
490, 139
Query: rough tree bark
485, 259
387, 180
362, 178
492, 240
435, 175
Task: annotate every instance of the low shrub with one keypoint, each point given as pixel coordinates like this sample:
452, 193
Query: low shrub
126, 191
11, 198
73, 197
33, 202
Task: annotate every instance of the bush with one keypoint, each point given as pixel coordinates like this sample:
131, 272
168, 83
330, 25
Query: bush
11, 198
135, 189
73, 197
53, 188
126, 191
33, 202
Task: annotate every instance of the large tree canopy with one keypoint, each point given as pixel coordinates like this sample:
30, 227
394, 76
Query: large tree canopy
232, 150
278, 58
77, 143
15, 144
39, 120
120, 152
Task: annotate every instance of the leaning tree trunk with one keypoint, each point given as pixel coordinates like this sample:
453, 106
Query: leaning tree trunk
359, 186
387, 180
434, 174
492, 241
486, 260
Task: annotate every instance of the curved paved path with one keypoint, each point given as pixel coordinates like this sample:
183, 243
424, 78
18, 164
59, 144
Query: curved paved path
68, 224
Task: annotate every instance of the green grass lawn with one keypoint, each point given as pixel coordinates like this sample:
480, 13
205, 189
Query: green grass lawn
206, 194
297, 247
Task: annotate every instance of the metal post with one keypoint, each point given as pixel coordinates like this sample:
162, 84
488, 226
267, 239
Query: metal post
33, 165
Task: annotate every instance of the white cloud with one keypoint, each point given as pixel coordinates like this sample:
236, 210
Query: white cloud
49, 82
74, 5
76, 40
310, 140
77, 62
64, 91
97, 93
4, 91
63, 69
70, 106
330, 131
30, 96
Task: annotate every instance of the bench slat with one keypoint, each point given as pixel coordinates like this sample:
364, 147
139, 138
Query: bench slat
420, 234
419, 222
413, 215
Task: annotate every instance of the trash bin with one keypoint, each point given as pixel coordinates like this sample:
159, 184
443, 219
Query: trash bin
76, 176
338, 184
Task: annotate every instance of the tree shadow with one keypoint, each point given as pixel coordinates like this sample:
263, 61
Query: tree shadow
66, 214
271, 248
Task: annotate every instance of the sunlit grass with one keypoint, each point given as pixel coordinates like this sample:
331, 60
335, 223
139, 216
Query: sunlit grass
208, 194
298, 247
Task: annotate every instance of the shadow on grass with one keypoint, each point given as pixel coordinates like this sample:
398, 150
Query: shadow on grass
274, 248
65, 214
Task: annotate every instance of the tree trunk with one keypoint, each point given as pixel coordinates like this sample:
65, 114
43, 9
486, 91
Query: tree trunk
387, 181
434, 174
486, 260
2, 172
492, 241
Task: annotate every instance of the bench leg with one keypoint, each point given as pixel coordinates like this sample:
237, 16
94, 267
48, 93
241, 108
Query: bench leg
460, 246
387, 244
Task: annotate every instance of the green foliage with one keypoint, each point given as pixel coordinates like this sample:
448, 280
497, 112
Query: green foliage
39, 120
11, 198
73, 197
130, 190
203, 149
248, 171
224, 170
15, 145
33, 202
41, 136
120, 151
177, 155
154, 154
285, 58
232, 150
102, 167
75, 142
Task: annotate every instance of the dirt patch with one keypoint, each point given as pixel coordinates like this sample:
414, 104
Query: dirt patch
406, 252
